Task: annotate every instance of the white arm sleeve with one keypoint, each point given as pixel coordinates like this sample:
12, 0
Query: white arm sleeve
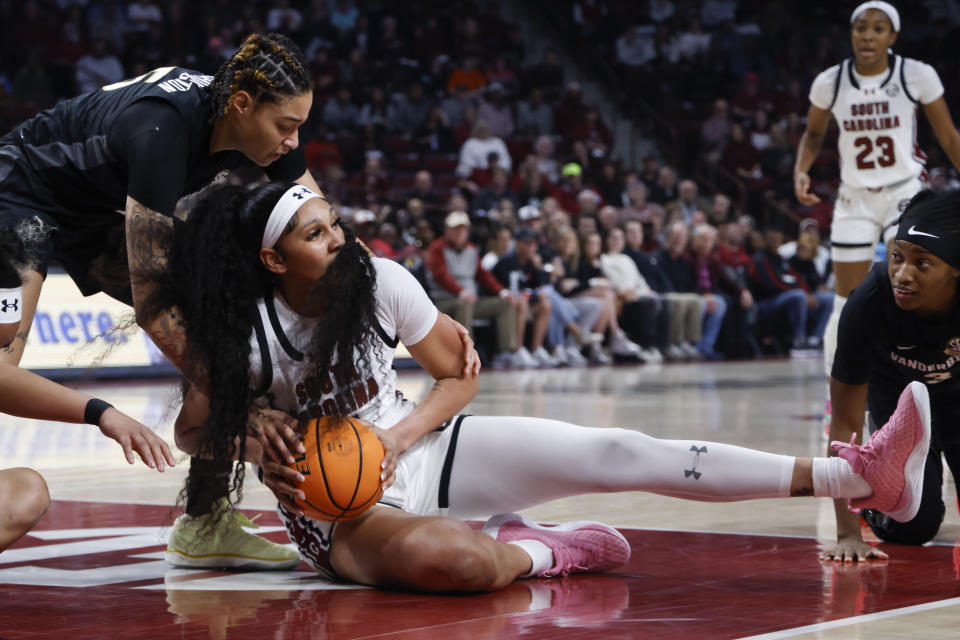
822, 89
922, 80
403, 307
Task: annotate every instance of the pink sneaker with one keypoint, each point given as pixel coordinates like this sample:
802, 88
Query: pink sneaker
892, 462
578, 547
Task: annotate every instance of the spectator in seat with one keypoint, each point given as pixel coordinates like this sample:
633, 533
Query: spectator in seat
467, 75
683, 308
460, 286
584, 278
804, 262
635, 47
493, 194
715, 130
534, 116
98, 68
642, 313
780, 289
435, 135
411, 112
341, 113
726, 301
689, 201
475, 152
666, 188
569, 113
376, 117
497, 112
750, 98
546, 163
521, 271
547, 75
498, 245
457, 104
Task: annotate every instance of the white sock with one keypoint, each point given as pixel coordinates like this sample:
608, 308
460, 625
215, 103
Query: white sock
541, 557
830, 334
834, 478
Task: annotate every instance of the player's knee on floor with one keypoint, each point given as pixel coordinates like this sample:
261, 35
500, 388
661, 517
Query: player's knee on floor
24, 496
445, 554
921, 530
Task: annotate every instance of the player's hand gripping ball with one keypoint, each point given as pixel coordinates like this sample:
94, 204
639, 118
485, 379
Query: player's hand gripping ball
340, 468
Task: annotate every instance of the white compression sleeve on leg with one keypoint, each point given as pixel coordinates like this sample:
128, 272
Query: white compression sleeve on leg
830, 334
506, 464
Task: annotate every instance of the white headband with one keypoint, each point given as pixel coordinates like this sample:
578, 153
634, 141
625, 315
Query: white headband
11, 305
288, 204
879, 5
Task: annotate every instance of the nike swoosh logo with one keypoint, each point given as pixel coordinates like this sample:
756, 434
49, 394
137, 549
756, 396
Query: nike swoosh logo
906, 348
912, 231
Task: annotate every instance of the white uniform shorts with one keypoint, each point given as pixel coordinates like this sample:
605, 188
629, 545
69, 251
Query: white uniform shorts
421, 487
861, 217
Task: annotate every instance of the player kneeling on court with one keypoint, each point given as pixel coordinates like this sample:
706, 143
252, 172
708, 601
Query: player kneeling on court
306, 322
900, 326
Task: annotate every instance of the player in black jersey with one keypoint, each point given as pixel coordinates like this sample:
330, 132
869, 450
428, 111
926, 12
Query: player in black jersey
903, 324
99, 175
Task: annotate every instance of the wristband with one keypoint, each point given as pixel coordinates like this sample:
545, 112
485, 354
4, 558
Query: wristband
11, 305
94, 411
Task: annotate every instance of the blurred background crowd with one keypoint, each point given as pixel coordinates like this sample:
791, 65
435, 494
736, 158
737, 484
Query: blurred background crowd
575, 180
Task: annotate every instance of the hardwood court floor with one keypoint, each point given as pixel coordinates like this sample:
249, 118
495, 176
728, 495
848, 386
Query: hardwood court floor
93, 568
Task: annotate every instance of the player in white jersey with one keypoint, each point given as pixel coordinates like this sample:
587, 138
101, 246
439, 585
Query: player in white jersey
874, 97
295, 316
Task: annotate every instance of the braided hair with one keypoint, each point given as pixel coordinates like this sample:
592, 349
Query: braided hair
268, 67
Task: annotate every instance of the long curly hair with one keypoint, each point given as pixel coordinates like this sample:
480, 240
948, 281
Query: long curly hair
268, 67
215, 277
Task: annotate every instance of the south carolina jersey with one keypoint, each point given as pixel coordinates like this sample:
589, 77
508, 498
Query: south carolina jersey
283, 379
877, 119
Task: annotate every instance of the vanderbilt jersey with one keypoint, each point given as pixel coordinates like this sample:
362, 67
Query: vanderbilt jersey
881, 344
877, 119
283, 378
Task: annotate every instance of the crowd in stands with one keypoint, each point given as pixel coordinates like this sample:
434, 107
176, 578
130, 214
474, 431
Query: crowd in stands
450, 148
731, 77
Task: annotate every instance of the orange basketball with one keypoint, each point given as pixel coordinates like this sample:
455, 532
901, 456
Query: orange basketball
340, 468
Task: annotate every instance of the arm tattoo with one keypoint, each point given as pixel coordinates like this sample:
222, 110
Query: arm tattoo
148, 235
20, 335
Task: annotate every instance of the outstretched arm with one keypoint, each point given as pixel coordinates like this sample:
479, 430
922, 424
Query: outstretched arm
28, 395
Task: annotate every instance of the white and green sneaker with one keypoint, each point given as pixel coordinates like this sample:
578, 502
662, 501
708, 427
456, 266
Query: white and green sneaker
227, 546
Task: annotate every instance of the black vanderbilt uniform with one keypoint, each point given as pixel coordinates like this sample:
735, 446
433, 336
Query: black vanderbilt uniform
886, 347
73, 166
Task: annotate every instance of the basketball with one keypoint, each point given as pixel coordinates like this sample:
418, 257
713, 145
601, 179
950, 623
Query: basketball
340, 468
